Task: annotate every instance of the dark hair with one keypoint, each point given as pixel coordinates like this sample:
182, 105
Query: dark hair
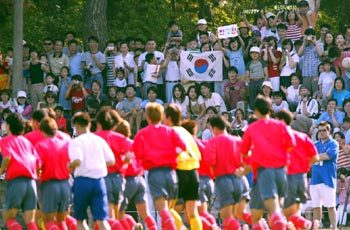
327, 46
153, 89
288, 41
72, 42
108, 118
48, 126
346, 119
97, 82
7, 92
262, 105
15, 123
282, 26
50, 94
285, 116
173, 112
234, 40
93, 103
206, 84
182, 90
48, 39
77, 77
277, 94
274, 39
65, 67
295, 15
202, 45
50, 74
332, 99
341, 134
334, 52
149, 57
195, 89
296, 75
93, 38
345, 102
232, 68
70, 32
218, 122
40, 114
342, 81
212, 108
82, 119
58, 40
5, 111
130, 86
190, 126
241, 110
310, 31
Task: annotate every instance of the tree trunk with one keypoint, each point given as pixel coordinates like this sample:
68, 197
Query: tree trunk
95, 20
17, 75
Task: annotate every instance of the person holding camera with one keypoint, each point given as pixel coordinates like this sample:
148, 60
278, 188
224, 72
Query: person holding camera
76, 92
235, 89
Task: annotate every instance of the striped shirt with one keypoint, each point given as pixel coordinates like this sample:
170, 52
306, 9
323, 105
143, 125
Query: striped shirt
343, 159
110, 66
294, 32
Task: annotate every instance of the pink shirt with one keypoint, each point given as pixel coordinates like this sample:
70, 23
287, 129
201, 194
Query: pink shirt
155, 146
301, 155
53, 153
204, 168
224, 154
270, 142
119, 145
24, 159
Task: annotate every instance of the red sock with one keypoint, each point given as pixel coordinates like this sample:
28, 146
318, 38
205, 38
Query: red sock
231, 224
168, 222
208, 216
206, 224
71, 223
13, 224
300, 222
258, 226
96, 227
277, 223
130, 220
150, 223
247, 217
124, 222
62, 225
32, 226
115, 225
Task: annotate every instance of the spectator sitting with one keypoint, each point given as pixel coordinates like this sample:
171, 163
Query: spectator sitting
151, 97
96, 92
7, 101
92, 107
292, 92
196, 106
344, 151
60, 120
346, 107
120, 80
50, 101
180, 98
24, 108
326, 81
235, 89
206, 133
346, 130
130, 108
50, 86
239, 123
278, 102
332, 114
266, 89
339, 92
112, 95
343, 183
211, 98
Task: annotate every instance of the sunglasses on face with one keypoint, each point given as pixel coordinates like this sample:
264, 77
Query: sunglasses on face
47, 43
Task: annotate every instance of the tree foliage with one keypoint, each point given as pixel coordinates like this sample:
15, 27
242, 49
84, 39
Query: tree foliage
143, 19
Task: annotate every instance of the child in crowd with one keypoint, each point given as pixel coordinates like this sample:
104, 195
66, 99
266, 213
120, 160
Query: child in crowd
50, 86
77, 93
7, 101
235, 53
63, 86
206, 133
326, 81
180, 99
278, 102
120, 80
24, 108
235, 89
60, 120
192, 46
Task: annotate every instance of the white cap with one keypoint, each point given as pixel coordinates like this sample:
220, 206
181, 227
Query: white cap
269, 14
254, 49
267, 83
202, 21
21, 94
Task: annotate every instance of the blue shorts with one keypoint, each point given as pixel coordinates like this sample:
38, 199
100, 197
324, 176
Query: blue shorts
296, 192
206, 189
20, 193
163, 183
135, 188
90, 192
231, 189
55, 196
272, 182
115, 184
255, 199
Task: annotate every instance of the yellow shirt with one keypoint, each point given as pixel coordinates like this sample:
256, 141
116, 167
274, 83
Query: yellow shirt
189, 159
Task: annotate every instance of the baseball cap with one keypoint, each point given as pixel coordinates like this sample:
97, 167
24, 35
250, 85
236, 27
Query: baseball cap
269, 15
202, 21
254, 49
302, 3
267, 83
256, 33
21, 94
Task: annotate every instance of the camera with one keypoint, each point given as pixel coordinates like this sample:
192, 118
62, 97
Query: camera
171, 46
90, 65
309, 37
75, 82
232, 88
110, 48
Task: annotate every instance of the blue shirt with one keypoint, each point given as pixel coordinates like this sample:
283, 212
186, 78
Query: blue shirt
236, 60
325, 172
340, 96
75, 65
339, 117
66, 104
145, 102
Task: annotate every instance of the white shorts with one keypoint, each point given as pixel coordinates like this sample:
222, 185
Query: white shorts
321, 194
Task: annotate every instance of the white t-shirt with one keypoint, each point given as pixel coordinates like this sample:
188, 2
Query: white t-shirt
182, 105
327, 81
214, 100
293, 94
93, 152
159, 56
52, 88
286, 70
129, 60
120, 83
172, 72
149, 72
277, 108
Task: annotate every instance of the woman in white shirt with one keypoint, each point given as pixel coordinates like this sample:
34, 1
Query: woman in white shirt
289, 62
180, 99
211, 98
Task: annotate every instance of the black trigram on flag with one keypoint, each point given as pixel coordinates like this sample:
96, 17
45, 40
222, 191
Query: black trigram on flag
189, 72
212, 73
212, 58
190, 57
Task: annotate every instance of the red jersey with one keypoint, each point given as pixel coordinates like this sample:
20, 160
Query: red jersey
24, 159
155, 146
204, 168
119, 145
272, 68
224, 154
270, 141
62, 124
53, 153
35, 136
78, 99
301, 155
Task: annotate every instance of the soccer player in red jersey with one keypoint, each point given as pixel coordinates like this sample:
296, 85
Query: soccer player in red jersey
157, 147
55, 189
135, 185
224, 155
20, 162
302, 157
270, 142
